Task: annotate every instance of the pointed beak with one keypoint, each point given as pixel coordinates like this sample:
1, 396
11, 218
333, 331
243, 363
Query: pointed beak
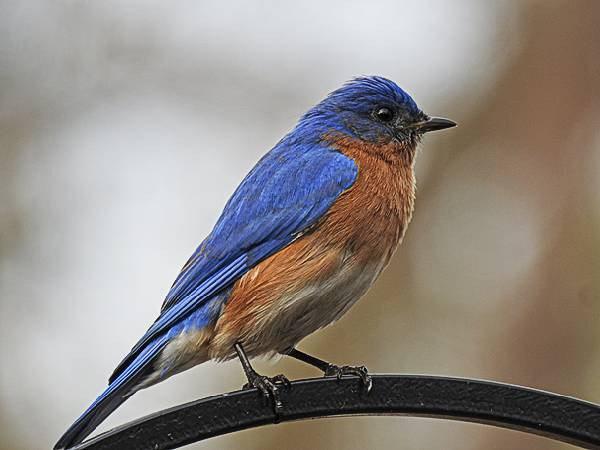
434, 124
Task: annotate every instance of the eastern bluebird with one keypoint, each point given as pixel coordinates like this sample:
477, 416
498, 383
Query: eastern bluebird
302, 238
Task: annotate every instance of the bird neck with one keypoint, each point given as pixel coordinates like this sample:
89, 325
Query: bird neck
400, 154
384, 192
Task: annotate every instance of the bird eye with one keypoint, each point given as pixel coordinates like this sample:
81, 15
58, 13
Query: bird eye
384, 114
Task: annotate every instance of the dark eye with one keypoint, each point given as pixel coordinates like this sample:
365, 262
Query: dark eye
384, 114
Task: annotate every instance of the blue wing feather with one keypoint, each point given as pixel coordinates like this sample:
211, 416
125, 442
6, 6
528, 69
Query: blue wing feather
288, 190
113, 396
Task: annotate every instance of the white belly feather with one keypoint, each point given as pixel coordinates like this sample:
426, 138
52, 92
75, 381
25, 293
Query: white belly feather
294, 316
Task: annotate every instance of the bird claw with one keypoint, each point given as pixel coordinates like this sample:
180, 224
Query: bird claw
282, 379
359, 371
269, 387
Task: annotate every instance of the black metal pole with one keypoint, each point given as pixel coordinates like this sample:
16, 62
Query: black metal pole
532, 411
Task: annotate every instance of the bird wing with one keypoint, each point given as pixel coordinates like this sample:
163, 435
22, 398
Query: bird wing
287, 191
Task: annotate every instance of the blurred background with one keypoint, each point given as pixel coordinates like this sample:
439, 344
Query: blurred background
126, 125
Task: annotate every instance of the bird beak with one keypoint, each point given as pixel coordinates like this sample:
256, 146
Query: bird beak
434, 124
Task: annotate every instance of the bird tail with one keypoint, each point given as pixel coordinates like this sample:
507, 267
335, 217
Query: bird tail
119, 390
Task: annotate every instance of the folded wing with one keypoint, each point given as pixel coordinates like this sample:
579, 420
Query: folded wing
288, 190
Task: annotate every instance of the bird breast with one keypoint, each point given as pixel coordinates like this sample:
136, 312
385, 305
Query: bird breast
317, 278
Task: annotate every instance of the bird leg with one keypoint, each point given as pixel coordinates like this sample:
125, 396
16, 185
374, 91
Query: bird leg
331, 370
268, 386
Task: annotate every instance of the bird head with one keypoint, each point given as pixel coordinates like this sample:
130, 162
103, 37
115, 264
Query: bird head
373, 109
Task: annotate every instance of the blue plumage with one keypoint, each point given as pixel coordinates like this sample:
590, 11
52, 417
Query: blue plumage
113, 396
349, 111
288, 191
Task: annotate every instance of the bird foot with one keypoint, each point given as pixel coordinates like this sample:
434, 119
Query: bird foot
359, 371
268, 387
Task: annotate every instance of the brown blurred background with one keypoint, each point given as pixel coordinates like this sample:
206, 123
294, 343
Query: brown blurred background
125, 125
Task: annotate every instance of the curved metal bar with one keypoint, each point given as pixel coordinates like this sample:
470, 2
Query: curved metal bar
502, 405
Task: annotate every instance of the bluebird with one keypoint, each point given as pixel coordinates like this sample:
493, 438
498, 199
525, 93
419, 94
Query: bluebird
303, 237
